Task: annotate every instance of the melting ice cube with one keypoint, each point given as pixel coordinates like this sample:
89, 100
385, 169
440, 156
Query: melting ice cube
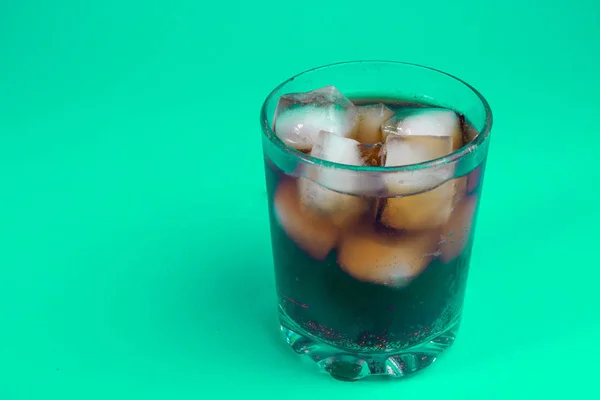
407, 150
387, 260
429, 199
420, 211
320, 190
301, 116
370, 118
425, 122
312, 233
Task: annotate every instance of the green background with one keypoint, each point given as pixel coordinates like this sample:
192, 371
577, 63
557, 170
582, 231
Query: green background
134, 244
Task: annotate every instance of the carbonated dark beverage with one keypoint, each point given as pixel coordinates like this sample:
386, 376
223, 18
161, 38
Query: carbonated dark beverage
371, 227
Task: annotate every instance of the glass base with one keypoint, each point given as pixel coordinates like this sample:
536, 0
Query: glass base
351, 366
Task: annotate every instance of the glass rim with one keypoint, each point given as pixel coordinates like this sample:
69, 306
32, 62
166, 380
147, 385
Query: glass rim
456, 155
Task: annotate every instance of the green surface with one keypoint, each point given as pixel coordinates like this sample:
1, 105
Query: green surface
134, 249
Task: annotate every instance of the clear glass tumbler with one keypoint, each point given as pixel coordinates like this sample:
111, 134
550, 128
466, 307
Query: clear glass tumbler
345, 297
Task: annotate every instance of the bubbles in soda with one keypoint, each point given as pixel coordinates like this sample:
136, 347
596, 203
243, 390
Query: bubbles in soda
359, 251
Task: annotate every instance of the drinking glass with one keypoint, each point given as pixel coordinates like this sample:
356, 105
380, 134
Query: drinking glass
334, 308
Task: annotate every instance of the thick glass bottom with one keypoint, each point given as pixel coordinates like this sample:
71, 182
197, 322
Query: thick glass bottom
347, 365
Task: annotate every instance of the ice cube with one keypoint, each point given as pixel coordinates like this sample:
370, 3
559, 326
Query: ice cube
320, 190
312, 233
339, 208
345, 151
426, 210
337, 149
425, 122
331, 147
370, 118
456, 233
386, 260
301, 116
407, 150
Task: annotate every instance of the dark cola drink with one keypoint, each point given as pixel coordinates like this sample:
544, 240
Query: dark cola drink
370, 261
